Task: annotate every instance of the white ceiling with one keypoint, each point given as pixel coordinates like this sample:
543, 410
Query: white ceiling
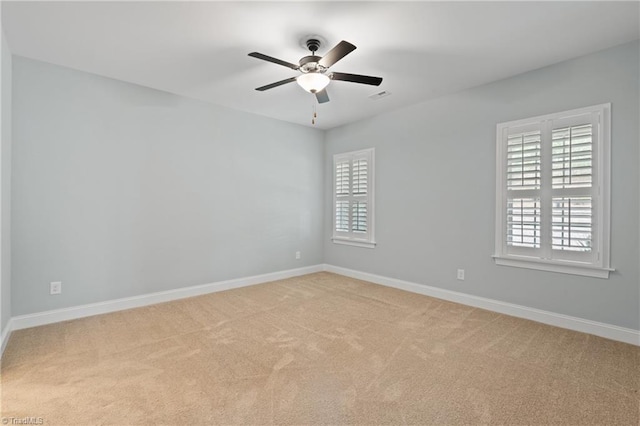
421, 49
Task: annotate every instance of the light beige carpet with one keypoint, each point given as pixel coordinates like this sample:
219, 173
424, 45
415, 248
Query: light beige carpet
318, 349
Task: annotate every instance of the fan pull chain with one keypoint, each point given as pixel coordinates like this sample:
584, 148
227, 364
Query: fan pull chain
314, 113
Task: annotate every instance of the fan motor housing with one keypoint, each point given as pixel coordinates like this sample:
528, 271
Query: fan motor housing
310, 64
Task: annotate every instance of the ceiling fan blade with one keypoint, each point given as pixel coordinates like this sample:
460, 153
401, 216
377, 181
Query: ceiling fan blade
274, 60
341, 50
357, 78
322, 96
276, 84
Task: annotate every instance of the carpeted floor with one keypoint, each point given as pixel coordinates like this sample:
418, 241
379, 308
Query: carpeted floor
318, 349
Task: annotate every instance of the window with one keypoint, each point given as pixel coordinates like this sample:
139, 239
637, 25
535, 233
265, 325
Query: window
552, 203
353, 198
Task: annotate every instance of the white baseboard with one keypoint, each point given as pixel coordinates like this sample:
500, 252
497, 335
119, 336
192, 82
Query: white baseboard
48, 317
613, 332
608, 331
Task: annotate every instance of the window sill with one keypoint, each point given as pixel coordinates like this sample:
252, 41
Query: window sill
572, 268
365, 244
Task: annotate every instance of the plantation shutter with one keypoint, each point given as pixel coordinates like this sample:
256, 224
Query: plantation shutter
553, 201
342, 192
573, 191
360, 189
523, 184
523, 189
353, 197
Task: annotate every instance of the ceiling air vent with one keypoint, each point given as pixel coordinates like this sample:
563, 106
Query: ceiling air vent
379, 95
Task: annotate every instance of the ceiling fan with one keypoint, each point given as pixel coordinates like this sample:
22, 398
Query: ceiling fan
315, 76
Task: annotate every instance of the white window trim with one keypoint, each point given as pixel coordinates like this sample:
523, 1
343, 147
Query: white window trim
600, 267
348, 242
369, 241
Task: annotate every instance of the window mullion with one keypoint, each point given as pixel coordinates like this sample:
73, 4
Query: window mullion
352, 198
596, 187
545, 190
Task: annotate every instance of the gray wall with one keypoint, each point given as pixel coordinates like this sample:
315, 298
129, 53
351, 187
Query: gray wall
120, 190
435, 193
5, 182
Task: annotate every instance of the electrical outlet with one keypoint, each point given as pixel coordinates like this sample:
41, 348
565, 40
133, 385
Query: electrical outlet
297, 255
461, 274
55, 287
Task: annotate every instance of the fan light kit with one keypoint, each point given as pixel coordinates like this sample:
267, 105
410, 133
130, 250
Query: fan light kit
313, 82
315, 76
